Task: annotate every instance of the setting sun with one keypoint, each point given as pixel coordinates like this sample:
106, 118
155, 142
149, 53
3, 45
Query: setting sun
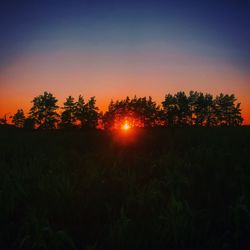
126, 126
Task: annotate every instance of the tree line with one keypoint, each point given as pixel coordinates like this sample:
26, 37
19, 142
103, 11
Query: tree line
177, 110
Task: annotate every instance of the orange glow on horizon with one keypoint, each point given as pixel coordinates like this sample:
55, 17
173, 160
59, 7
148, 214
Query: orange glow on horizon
142, 73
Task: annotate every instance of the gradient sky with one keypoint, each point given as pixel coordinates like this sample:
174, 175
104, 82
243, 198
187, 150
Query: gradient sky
110, 49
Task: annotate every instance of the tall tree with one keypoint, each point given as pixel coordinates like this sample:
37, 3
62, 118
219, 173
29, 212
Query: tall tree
227, 112
210, 115
236, 119
87, 113
68, 116
170, 110
183, 112
201, 109
80, 111
44, 110
19, 118
91, 114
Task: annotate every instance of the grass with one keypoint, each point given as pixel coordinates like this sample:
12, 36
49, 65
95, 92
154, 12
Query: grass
147, 189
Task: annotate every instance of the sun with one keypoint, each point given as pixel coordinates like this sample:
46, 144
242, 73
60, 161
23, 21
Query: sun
126, 126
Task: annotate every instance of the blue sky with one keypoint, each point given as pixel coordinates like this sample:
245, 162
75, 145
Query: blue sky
215, 28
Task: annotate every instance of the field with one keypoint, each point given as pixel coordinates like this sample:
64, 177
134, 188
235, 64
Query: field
144, 189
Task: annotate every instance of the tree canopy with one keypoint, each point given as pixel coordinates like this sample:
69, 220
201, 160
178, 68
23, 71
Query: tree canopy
44, 110
19, 118
139, 112
176, 110
68, 116
87, 113
198, 109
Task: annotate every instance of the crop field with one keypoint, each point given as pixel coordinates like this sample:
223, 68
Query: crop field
179, 188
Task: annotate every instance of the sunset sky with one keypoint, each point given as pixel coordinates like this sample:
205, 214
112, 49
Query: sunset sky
111, 49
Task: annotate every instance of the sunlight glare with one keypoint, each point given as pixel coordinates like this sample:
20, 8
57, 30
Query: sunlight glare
126, 126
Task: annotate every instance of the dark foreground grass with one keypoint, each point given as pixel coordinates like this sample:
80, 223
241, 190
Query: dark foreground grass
155, 189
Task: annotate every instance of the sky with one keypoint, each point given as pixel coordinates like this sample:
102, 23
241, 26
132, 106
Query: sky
111, 49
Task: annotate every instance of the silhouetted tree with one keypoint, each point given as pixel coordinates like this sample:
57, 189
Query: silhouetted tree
236, 118
80, 111
91, 115
201, 110
147, 111
227, 112
183, 112
19, 118
170, 110
176, 109
87, 113
44, 112
139, 112
195, 109
68, 116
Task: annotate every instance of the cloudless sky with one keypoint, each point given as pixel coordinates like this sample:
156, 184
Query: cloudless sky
110, 49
